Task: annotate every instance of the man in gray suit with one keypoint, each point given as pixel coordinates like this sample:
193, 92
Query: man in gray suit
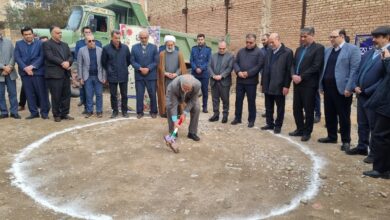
341, 63
184, 89
220, 68
92, 75
8, 78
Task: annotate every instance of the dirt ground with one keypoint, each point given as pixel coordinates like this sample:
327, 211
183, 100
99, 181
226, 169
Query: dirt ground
122, 169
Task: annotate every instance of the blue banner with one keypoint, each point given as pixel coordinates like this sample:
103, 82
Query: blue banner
364, 42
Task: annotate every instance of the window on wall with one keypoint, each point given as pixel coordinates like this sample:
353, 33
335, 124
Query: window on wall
97, 23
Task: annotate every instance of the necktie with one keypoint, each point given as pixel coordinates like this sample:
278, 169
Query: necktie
300, 59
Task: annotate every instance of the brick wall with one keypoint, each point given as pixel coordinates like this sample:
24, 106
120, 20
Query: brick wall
208, 17
356, 16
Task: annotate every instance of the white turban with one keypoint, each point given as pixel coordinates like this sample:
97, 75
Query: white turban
169, 38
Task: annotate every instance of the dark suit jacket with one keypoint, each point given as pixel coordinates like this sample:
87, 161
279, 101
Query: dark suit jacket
277, 75
55, 54
35, 58
311, 65
148, 60
226, 69
380, 100
373, 77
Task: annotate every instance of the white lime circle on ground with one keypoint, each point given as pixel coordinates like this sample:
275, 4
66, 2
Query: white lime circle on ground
21, 180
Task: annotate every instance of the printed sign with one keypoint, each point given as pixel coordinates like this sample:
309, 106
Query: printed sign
364, 42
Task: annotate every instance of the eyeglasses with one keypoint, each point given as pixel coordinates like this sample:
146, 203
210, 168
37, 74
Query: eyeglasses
90, 41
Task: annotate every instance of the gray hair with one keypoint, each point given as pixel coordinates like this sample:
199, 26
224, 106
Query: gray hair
308, 30
187, 79
248, 36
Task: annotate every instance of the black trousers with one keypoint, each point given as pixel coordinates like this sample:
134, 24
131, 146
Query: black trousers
219, 92
380, 143
337, 110
304, 100
60, 95
270, 101
250, 91
114, 96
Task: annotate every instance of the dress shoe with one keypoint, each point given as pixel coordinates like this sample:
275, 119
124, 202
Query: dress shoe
32, 117
99, 114
139, 116
67, 117
84, 112
327, 140
57, 119
377, 174
357, 151
263, 115
369, 159
15, 116
114, 114
193, 137
3, 116
267, 127
296, 133
153, 115
215, 117
235, 121
21, 108
251, 124
224, 119
80, 104
125, 114
163, 115
88, 115
305, 137
345, 147
205, 111
317, 119
44, 117
277, 130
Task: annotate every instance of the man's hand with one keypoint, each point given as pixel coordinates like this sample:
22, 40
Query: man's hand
245, 74
81, 81
347, 93
296, 79
241, 75
173, 75
29, 70
65, 65
285, 91
182, 118
358, 90
144, 71
7, 69
385, 54
198, 70
217, 77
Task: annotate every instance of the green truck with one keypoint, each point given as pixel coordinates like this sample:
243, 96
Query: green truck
107, 17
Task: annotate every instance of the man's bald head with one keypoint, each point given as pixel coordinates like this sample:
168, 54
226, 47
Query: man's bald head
144, 37
186, 83
274, 40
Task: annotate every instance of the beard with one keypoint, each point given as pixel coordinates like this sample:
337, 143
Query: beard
170, 50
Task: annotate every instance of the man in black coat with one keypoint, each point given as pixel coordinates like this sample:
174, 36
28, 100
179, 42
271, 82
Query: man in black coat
247, 65
275, 82
308, 62
116, 61
380, 103
58, 62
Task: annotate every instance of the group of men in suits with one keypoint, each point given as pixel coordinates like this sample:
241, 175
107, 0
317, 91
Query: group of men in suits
337, 72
